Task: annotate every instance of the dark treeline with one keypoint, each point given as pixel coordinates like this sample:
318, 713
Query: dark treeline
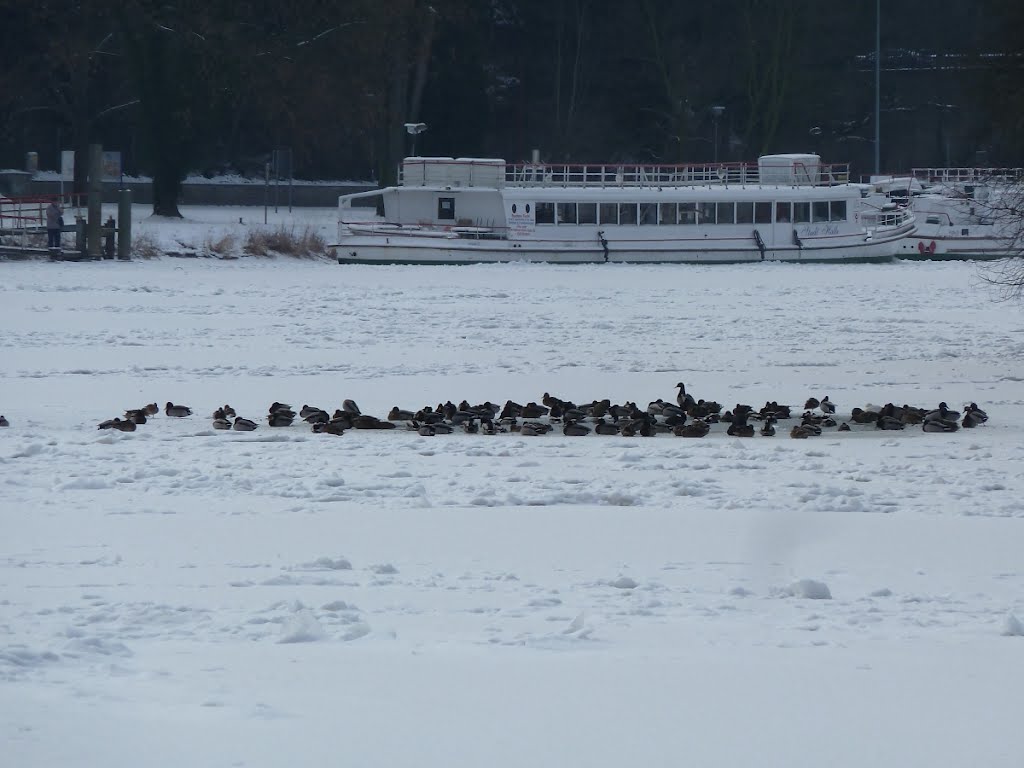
214, 86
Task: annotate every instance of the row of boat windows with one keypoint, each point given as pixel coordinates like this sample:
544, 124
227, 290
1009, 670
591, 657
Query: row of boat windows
690, 213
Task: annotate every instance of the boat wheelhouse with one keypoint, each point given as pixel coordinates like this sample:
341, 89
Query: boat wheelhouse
961, 213
465, 210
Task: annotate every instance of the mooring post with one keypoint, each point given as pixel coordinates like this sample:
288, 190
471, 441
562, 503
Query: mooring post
124, 225
93, 239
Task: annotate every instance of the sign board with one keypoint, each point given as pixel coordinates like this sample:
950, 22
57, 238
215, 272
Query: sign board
111, 166
67, 165
521, 221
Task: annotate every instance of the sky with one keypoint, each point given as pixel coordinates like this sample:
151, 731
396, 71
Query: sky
180, 595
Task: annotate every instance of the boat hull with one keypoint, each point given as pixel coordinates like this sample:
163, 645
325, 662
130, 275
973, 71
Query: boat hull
429, 250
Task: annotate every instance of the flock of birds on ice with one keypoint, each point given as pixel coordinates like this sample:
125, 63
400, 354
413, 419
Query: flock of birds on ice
686, 417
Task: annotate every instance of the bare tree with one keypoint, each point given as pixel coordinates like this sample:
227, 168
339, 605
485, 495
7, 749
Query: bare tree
1005, 209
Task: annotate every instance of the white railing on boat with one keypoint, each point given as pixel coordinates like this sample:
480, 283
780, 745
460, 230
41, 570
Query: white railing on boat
490, 173
967, 175
702, 174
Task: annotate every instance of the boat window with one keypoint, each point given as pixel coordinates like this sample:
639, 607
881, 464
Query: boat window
567, 213
627, 213
446, 208
819, 211
687, 213
609, 213
726, 213
744, 213
837, 210
545, 213
668, 214
587, 213
783, 213
648, 213
706, 213
762, 213
801, 213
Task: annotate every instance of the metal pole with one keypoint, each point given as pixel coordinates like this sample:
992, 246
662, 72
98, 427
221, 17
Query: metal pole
878, 86
266, 190
93, 244
124, 225
716, 139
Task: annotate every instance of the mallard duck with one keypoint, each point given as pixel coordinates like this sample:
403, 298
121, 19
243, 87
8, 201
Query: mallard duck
811, 404
119, 424
349, 406
280, 418
316, 416
940, 425
844, 427
799, 432
885, 421
330, 428
4, 422
306, 410
738, 429
244, 425
138, 415
768, 428
222, 423
398, 414
573, 429
177, 410
427, 430
152, 409
604, 428
229, 412
978, 415
696, 428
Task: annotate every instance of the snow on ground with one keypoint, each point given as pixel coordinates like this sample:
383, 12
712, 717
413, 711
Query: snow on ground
179, 596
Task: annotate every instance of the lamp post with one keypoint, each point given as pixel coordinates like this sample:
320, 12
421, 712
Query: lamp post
414, 129
878, 86
716, 113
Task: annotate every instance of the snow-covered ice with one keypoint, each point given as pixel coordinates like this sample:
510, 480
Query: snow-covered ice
183, 596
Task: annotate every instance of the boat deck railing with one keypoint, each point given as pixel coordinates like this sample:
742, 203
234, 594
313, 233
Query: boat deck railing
702, 174
968, 175
464, 172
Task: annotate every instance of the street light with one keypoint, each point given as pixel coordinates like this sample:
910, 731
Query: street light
716, 113
414, 129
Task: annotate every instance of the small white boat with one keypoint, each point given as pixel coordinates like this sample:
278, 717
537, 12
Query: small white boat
961, 213
466, 210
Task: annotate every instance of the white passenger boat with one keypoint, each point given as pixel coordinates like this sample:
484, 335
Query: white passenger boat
465, 210
961, 213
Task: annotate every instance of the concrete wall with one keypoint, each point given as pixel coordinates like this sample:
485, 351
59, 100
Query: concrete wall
303, 195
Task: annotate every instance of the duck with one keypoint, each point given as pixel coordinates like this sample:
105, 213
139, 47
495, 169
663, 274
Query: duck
116, 423
365, 421
943, 417
306, 410
602, 427
218, 414
799, 432
885, 421
529, 429
138, 415
768, 428
245, 425
740, 429
151, 409
221, 422
696, 428
4, 422
177, 410
844, 427
534, 410
811, 404
229, 412
330, 428
826, 405
276, 406
399, 414
940, 425
979, 415
573, 429
317, 416
863, 416
349, 406
280, 418
427, 430
970, 420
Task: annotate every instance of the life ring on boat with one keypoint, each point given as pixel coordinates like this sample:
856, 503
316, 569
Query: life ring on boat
920, 247
931, 247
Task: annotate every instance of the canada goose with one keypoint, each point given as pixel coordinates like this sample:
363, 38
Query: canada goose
4, 422
684, 400
826, 405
